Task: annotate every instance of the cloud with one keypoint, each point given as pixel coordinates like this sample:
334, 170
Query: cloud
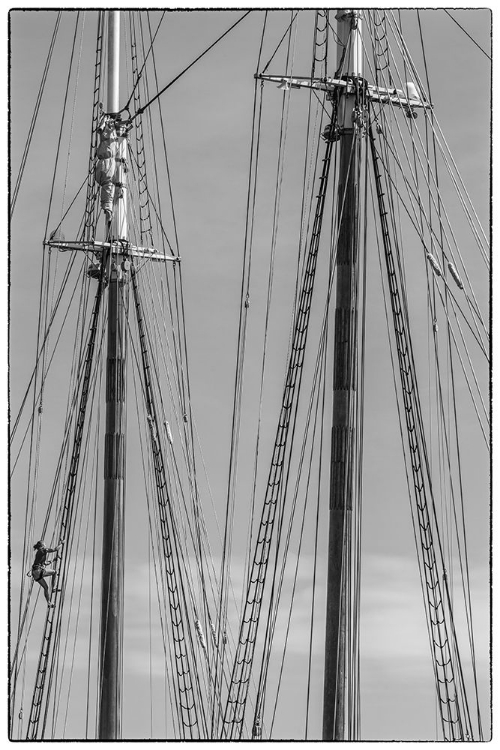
396, 665
392, 610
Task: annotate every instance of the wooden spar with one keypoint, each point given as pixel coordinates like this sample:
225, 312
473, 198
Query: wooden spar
343, 460
111, 662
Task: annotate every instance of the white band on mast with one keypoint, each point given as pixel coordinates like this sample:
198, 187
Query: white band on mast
119, 221
113, 62
350, 51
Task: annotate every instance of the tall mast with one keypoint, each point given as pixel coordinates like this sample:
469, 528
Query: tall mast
351, 96
343, 459
111, 664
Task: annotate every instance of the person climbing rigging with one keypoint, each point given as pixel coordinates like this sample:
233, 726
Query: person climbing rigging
39, 571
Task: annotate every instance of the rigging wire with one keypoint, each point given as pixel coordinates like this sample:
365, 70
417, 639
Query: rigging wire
469, 210
278, 583
155, 535
287, 32
317, 390
139, 73
34, 116
67, 514
196, 538
186, 680
145, 106
236, 700
462, 553
472, 307
315, 554
352, 659
41, 353
58, 472
467, 34
438, 270
222, 605
400, 415
81, 494
177, 316
90, 215
34, 450
155, 539
37, 398
413, 193
66, 96
285, 106
93, 569
182, 381
352, 564
180, 341
154, 316
60, 460
466, 578
453, 714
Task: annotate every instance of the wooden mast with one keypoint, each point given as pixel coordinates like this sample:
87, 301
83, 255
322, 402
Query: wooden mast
111, 665
343, 460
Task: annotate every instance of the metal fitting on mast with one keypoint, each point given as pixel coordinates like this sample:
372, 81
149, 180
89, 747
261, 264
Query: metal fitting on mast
349, 66
345, 13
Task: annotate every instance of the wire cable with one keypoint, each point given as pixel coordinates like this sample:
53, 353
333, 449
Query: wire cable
143, 108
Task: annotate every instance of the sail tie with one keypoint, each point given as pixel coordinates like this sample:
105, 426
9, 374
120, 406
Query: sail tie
435, 265
201, 636
456, 277
169, 433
